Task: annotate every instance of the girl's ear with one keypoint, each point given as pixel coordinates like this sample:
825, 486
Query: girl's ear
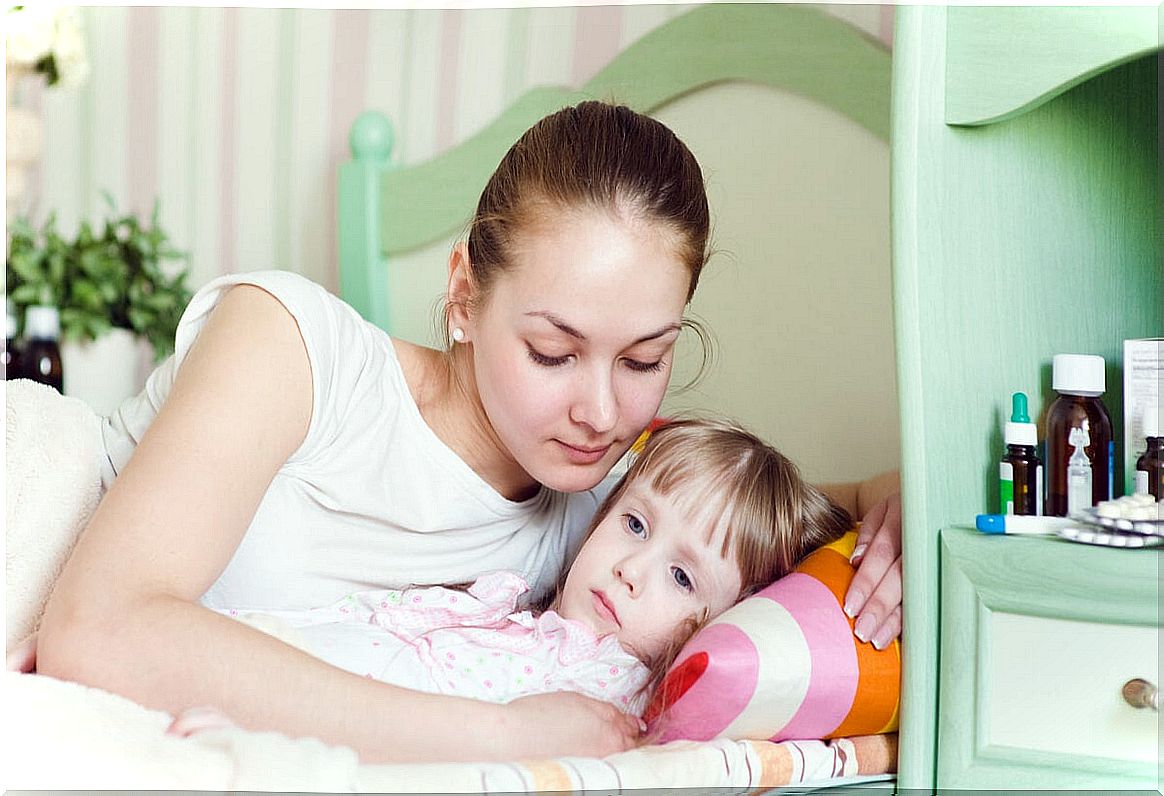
460, 290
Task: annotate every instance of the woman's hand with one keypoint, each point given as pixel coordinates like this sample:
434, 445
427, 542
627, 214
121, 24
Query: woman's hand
566, 723
874, 596
22, 658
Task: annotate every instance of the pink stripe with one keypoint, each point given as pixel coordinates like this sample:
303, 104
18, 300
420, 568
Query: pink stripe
228, 189
450, 62
885, 30
142, 134
348, 84
833, 684
720, 695
596, 39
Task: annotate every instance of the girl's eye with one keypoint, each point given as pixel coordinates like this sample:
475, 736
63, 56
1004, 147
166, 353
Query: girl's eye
635, 525
543, 360
681, 578
644, 367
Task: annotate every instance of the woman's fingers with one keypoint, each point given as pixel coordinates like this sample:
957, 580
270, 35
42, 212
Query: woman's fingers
889, 630
882, 549
881, 605
22, 657
870, 524
196, 720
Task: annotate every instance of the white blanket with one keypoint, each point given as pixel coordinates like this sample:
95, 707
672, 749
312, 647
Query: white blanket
61, 735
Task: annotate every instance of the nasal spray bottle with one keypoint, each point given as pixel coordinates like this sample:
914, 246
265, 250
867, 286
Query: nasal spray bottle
1020, 473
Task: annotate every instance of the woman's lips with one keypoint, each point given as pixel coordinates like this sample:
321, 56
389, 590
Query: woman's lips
603, 607
583, 455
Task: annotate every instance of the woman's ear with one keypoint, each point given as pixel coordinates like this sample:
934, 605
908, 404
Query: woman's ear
460, 290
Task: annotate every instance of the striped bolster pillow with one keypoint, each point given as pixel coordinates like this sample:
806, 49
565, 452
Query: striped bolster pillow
782, 664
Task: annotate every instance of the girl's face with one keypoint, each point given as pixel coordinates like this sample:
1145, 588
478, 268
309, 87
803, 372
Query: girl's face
572, 351
650, 565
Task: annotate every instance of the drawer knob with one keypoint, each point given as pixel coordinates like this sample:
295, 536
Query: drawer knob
1141, 694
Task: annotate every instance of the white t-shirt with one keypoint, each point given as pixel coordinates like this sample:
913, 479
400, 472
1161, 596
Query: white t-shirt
372, 499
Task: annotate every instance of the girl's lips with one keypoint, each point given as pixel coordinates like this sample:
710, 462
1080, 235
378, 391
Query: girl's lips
603, 607
583, 455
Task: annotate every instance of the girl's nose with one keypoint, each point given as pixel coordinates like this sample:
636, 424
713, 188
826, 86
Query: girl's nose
628, 571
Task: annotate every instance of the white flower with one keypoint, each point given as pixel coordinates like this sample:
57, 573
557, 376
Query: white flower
29, 32
69, 49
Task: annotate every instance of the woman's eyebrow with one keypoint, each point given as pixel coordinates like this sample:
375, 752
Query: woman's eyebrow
570, 330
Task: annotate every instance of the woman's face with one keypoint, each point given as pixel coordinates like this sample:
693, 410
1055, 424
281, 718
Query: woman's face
573, 349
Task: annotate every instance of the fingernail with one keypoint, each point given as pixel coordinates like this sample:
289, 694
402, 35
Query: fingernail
853, 602
858, 551
642, 726
881, 640
865, 625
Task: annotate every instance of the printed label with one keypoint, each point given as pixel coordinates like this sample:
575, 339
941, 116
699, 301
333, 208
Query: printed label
1141, 482
1005, 488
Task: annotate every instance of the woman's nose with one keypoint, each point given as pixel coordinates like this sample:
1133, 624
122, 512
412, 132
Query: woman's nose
596, 405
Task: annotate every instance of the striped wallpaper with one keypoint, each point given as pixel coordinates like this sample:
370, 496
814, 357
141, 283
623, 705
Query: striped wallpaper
236, 118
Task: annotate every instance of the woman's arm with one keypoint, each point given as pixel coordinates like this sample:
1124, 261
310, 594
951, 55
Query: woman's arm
874, 596
124, 614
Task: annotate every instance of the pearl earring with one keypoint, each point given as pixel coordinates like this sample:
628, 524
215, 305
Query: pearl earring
458, 334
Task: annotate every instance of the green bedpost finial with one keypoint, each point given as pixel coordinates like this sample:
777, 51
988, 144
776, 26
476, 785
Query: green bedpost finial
1018, 408
371, 137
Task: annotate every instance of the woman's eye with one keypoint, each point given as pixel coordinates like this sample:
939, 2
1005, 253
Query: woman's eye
644, 367
545, 361
635, 525
681, 578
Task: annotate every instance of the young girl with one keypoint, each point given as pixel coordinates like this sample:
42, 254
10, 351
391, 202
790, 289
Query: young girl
706, 514
290, 453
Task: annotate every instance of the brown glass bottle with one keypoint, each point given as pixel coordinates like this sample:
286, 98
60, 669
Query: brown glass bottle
42, 355
1066, 413
1150, 465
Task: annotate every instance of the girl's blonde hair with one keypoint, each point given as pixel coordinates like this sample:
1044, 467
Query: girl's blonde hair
773, 518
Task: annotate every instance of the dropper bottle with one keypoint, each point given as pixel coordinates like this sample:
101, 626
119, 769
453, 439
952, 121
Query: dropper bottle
1020, 473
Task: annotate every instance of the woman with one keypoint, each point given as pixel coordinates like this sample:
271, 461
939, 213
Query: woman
290, 452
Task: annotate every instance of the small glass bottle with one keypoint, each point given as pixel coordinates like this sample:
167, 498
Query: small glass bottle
13, 361
42, 357
1078, 434
1150, 465
1020, 473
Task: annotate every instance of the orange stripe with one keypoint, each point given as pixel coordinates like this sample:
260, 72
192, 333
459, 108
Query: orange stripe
775, 763
548, 776
830, 568
875, 705
878, 692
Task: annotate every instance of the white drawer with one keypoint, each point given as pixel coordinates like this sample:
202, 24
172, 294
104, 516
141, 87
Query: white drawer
1055, 685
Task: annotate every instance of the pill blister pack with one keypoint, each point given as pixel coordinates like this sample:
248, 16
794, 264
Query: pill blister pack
1131, 521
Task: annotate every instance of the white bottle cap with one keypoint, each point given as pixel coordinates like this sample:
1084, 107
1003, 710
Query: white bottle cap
42, 322
1151, 421
1020, 433
1078, 374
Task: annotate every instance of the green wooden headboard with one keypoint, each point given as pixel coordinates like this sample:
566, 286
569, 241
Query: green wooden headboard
385, 210
787, 110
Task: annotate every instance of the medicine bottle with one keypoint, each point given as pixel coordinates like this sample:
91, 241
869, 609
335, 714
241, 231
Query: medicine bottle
42, 356
1080, 451
1150, 465
1020, 473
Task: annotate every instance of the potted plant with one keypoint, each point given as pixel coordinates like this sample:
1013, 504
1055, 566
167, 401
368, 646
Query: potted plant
117, 292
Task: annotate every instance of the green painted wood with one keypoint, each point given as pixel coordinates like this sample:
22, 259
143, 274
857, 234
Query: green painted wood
1011, 242
363, 267
1002, 62
798, 49
1033, 577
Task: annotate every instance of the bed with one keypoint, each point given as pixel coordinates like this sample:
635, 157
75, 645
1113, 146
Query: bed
816, 203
